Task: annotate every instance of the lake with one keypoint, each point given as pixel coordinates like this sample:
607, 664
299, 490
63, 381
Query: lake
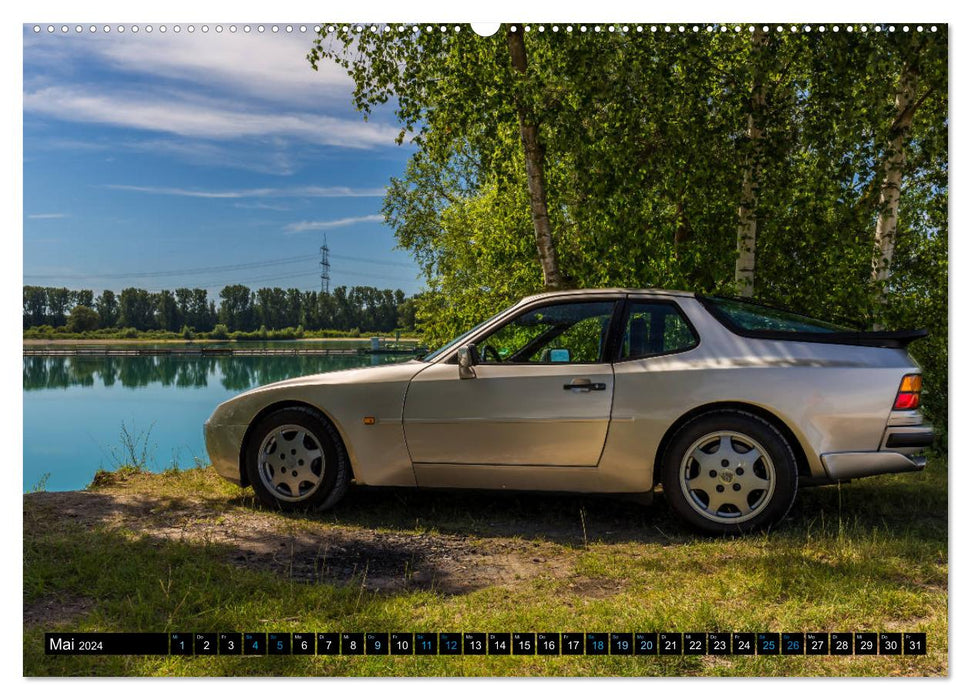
77, 408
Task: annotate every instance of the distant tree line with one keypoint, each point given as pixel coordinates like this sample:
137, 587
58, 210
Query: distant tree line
239, 309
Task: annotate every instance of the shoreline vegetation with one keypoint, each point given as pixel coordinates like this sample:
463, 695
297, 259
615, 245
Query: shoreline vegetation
184, 550
361, 341
241, 314
49, 335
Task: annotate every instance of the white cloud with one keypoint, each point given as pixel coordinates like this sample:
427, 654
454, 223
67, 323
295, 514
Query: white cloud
195, 117
300, 226
261, 205
267, 66
311, 191
338, 192
47, 216
272, 159
277, 159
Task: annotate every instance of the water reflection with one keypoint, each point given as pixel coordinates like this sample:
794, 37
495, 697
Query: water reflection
232, 373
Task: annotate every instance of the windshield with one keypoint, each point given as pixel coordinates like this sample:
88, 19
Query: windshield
452, 344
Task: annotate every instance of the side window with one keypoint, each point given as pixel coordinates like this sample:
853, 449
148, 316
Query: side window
655, 328
559, 333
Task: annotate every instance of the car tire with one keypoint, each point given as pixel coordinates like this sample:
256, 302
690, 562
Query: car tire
295, 461
727, 472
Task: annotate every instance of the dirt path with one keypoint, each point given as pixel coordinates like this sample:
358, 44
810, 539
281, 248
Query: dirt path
307, 550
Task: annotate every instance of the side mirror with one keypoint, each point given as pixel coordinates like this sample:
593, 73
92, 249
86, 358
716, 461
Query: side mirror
466, 358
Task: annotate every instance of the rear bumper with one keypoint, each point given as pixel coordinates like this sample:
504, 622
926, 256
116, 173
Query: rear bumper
841, 466
902, 438
898, 452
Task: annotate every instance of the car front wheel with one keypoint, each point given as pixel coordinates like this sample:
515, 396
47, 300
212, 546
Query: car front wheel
729, 472
295, 461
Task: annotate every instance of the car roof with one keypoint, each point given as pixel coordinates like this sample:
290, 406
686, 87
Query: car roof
606, 292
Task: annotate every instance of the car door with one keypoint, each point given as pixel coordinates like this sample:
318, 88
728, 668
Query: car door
541, 397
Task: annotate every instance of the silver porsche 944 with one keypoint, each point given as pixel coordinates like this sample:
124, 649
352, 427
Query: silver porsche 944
727, 405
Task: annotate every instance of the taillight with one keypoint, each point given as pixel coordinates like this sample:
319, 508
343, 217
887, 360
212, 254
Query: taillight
908, 395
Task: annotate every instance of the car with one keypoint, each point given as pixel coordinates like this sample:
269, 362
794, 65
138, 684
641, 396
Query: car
727, 405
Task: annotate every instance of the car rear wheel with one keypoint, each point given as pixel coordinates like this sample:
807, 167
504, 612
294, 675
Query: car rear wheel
295, 461
730, 471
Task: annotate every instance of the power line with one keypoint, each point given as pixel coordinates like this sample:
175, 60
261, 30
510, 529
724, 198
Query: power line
219, 268
392, 263
192, 271
302, 275
249, 282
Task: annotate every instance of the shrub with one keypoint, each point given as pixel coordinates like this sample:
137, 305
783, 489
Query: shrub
83, 318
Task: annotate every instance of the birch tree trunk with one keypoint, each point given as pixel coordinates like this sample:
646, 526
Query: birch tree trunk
886, 230
536, 179
747, 223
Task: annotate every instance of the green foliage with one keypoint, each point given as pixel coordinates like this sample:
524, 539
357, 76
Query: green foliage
220, 332
644, 139
82, 318
41, 485
35, 306
39, 332
134, 451
107, 308
135, 309
236, 309
241, 310
58, 301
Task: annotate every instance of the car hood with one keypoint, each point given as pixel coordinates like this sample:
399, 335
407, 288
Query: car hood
398, 372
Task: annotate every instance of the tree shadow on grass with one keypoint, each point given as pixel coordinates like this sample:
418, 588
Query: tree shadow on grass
899, 501
454, 542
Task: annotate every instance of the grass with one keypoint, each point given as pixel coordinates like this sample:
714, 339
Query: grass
867, 556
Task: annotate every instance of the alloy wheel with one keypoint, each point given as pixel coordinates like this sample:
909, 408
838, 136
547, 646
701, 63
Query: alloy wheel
727, 477
291, 463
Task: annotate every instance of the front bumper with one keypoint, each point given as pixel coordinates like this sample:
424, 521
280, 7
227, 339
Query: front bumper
223, 443
898, 452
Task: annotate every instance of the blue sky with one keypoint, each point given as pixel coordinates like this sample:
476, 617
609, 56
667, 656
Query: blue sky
152, 158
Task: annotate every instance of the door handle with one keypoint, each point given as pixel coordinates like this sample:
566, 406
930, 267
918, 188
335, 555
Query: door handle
585, 385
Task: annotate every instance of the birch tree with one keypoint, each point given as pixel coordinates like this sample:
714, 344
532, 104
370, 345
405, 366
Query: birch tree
534, 155
665, 157
906, 102
454, 93
893, 169
751, 175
